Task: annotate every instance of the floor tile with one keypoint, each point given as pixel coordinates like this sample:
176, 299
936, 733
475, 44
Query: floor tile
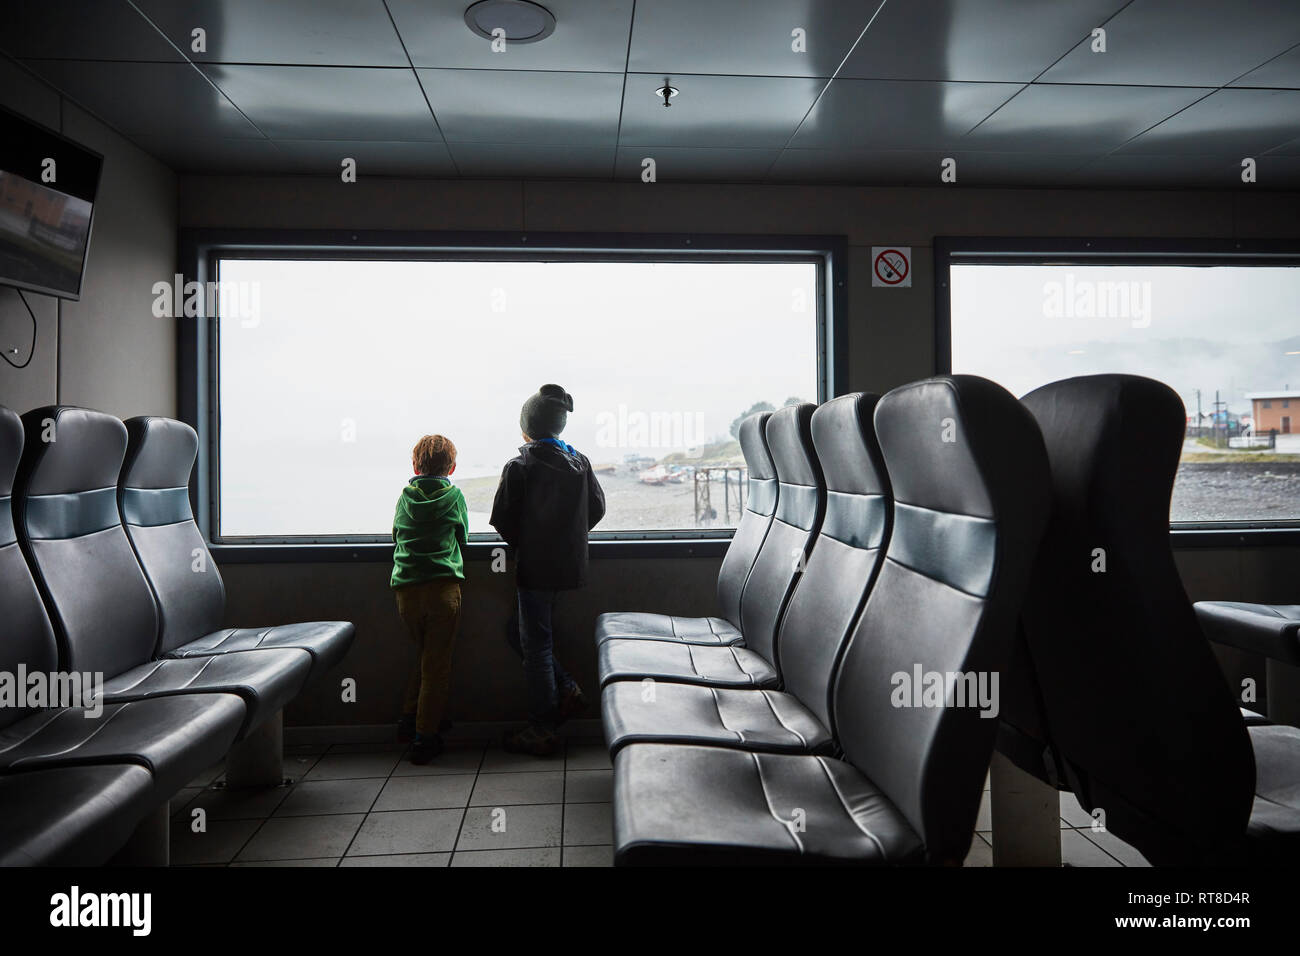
208, 776
588, 824
587, 757
351, 766
244, 804
399, 859
492, 828
588, 856
451, 760
1072, 813
1076, 850
314, 797
1126, 854
536, 856
182, 799
220, 843
498, 761
297, 766
407, 831
981, 853
426, 793
314, 861
984, 819
301, 838
377, 747
504, 789
589, 786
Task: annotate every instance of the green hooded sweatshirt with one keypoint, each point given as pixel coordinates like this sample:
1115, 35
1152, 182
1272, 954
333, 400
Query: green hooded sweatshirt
429, 529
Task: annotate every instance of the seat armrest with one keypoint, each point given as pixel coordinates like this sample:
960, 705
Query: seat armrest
1272, 630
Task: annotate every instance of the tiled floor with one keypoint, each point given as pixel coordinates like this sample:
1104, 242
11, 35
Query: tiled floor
1081, 845
367, 805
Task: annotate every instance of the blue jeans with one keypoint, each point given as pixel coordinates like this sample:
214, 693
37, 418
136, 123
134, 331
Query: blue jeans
530, 634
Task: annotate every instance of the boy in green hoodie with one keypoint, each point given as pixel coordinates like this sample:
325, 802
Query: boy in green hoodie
429, 530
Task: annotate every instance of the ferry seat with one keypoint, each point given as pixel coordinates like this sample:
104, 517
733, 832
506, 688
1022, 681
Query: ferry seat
99, 601
1136, 711
781, 559
826, 601
154, 495
969, 481
755, 520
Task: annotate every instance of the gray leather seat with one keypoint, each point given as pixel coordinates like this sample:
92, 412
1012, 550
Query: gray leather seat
153, 491
1158, 743
840, 571
968, 514
799, 502
100, 604
73, 786
1269, 629
760, 505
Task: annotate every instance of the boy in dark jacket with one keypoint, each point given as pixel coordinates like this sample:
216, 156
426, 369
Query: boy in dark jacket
429, 530
547, 501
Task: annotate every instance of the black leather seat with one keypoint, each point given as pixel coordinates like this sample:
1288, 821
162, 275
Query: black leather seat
73, 785
154, 496
100, 604
969, 481
1272, 630
780, 559
1134, 711
826, 601
760, 505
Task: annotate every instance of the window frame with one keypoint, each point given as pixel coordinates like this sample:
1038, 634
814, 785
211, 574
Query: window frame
962, 250
198, 345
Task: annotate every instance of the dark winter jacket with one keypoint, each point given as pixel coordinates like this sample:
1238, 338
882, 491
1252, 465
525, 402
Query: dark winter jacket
547, 501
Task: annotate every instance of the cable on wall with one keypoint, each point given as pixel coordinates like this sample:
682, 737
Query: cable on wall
32, 350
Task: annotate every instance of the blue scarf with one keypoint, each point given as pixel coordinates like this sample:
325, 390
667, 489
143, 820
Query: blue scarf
563, 446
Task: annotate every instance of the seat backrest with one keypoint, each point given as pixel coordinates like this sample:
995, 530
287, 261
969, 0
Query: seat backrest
26, 637
916, 696
1133, 698
845, 555
69, 526
154, 496
760, 505
799, 500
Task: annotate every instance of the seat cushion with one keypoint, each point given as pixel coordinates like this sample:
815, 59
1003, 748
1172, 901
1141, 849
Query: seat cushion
266, 680
175, 738
755, 720
71, 816
1273, 834
1269, 629
625, 658
676, 805
666, 627
326, 641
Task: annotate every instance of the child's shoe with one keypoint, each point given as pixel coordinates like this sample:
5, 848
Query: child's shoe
531, 740
572, 703
425, 748
406, 728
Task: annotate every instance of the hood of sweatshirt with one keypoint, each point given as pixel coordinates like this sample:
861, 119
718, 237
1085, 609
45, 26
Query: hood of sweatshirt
426, 499
549, 455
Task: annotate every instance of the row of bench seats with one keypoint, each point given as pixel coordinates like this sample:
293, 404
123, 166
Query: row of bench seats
923, 555
893, 541
103, 571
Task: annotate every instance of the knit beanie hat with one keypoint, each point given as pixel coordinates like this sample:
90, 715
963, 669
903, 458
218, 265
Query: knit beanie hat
545, 414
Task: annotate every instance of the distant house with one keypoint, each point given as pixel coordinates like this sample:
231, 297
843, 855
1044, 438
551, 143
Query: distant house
1274, 411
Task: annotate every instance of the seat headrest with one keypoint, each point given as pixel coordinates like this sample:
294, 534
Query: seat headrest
11, 449
789, 438
844, 437
753, 444
160, 453
70, 450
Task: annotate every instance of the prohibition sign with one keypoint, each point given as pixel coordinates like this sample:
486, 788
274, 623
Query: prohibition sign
891, 267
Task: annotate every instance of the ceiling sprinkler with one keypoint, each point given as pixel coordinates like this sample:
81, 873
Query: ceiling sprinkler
667, 92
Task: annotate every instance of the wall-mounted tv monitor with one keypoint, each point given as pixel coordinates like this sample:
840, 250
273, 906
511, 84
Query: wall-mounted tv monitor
47, 201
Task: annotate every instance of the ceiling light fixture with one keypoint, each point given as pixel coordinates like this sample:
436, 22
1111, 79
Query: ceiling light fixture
520, 20
667, 92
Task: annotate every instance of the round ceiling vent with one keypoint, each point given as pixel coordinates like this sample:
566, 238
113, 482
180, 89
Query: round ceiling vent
522, 21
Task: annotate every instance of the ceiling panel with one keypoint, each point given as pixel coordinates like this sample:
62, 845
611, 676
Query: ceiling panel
1281, 72
897, 114
683, 165
496, 160
745, 37
149, 101
314, 32
328, 103
588, 36
512, 106
729, 111
978, 40
1229, 122
372, 158
1084, 119
1183, 43
82, 30
243, 156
